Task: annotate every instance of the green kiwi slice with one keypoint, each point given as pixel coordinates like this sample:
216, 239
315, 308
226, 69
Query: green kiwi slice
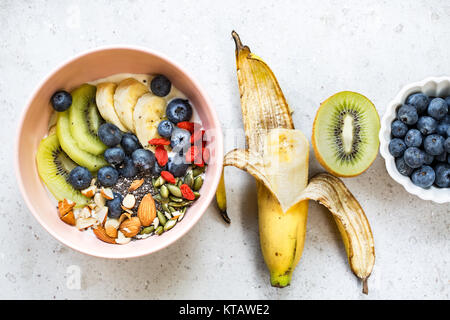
71, 147
54, 167
345, 134
84, 120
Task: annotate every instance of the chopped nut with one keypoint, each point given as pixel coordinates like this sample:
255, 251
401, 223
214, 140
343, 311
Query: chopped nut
129, 201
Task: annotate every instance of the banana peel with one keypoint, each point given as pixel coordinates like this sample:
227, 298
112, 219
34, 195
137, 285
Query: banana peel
277, 157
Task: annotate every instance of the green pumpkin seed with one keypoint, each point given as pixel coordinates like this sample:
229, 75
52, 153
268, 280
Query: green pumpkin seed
154, 183
183, 210
157, 197
159, 182
196, 194
189, 179
168, 215
172, 209
175, 199
159, 230
165, 207
198, 182
174, 190
164, 192
147, 230
170, 224
197, 171
162, 218
179, 204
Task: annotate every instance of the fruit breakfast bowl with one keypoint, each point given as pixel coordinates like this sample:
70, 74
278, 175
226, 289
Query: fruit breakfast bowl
431, 87
34, 126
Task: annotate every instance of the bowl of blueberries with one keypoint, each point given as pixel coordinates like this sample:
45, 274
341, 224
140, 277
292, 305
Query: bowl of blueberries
415, 139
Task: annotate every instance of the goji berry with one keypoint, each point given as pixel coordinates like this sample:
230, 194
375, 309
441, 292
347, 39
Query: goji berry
187, 125
161, 156
159, 142
168, 177
187, 193
192, 154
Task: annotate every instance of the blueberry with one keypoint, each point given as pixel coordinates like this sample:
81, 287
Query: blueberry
418, 101
447, 144
414, 157
427, 125
107, 176
446, 119
114, 156
402, 167
413, 138
448, 132
165, 128
115, 206
397, 147
80, 178
442, 128
398, 129
127, 168
423, 177
109, 134
434, 144
428, 158
130, 143
160, 86
441, 157
407, 114
180, 140
179, 110
177, 165
157, 169
447, 99
61, 100
442, 175
438, 108
143, 159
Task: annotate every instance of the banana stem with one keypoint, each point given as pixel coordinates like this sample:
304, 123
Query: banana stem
221, 199
365, 286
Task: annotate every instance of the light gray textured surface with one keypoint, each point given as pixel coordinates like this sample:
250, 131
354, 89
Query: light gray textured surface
315, 48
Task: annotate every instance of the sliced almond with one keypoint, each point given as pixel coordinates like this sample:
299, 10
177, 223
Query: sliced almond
147, 210
102, 214
130, 227
65, 206
100, 233
136, 184
124, 216
121, 239
93, 181
69, 218
129, 201
99, 200
85, 212
107, 193
89, 192
126, 209
84, 223
92, 205
111, 227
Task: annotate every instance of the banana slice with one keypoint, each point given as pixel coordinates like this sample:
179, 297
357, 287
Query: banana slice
127, 94
148, 113
105, 103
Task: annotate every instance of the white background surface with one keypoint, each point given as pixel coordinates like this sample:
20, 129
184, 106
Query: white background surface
315, 48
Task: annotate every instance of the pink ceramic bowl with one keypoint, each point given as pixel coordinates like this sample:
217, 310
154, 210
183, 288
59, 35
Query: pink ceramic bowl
33, 126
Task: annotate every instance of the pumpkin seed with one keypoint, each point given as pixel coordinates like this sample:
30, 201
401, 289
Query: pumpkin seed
164, 192
165, 207
198, 182
197, 171
172, 209
159, 182
147, 230
181, 216
162, 218
179, 204
196, 194
168, 215
175, 199
159, 230
170, 224
154, 182
189, 179
157, 197
174, 190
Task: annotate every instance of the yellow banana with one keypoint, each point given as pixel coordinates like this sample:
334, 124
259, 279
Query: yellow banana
277, 157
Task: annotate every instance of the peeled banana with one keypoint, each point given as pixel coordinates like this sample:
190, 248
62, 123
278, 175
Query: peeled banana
105, 103
277, 156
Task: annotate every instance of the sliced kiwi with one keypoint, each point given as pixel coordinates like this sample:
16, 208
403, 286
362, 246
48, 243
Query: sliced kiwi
345, 134
82, 115
54, 167
94, 119
72, 148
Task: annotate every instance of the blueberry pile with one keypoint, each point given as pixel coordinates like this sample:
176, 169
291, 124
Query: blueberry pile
421, 140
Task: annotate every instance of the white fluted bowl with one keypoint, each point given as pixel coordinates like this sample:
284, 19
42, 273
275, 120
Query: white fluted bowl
433, 86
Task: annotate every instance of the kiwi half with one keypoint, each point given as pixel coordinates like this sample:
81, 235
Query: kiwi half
54, 167
345, 134
84, 119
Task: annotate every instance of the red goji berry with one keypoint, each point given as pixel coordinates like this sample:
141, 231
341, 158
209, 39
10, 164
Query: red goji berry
187, 193
187, 125
192, 154
159, 142
161, 156
168, 177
